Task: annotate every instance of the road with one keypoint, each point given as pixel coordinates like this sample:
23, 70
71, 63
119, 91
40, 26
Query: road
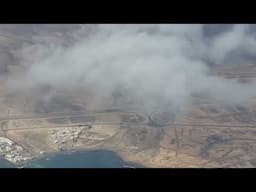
95, 113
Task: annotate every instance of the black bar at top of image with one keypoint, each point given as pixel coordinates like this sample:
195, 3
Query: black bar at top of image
126, 12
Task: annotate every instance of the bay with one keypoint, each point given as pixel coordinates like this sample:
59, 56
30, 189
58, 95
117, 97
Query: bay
82, 159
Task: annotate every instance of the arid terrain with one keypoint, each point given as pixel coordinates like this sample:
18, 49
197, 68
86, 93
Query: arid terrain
209, 134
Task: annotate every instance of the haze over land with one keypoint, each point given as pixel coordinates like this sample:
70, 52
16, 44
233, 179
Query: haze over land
158, 64
160, 95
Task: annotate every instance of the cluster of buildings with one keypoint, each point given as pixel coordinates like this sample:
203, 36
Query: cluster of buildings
64, 135
13, 152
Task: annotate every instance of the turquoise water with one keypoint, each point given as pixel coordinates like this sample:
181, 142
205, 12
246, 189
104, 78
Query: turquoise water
82, 159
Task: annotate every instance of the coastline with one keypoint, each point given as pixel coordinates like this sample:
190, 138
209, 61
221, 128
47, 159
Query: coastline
51, 156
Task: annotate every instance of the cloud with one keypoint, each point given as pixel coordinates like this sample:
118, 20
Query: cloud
159, 65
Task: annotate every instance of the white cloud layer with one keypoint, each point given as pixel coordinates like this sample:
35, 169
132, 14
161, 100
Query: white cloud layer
159, 64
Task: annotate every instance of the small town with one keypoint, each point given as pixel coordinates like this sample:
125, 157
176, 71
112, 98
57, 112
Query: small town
13, 152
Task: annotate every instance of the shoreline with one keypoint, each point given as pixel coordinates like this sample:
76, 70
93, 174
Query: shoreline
48, 156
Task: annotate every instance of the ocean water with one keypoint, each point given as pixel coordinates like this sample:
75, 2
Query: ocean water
82, 159
5, 164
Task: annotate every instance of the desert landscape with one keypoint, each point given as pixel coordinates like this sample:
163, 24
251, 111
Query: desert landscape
39, 117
